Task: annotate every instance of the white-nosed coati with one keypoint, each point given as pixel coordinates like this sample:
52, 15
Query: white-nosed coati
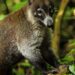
25, 34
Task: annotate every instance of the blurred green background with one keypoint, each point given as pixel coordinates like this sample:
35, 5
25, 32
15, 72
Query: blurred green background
66, 45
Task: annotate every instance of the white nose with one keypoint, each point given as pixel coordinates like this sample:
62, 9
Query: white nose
48, 21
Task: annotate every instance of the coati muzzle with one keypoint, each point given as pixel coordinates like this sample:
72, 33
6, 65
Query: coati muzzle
48, 21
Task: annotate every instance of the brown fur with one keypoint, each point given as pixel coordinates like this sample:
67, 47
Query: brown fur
17, 30
9, 53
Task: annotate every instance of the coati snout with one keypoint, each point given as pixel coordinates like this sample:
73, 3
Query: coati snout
24, 34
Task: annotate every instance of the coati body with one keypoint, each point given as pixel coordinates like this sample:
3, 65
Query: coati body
25, 34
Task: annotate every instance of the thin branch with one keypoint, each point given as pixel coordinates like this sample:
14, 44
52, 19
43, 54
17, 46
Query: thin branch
56, 35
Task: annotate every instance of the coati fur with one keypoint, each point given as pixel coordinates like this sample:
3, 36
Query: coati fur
25, 35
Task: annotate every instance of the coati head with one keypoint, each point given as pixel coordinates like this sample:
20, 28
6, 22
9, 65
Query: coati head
41, 11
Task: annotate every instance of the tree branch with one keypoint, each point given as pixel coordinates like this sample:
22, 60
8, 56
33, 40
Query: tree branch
56, 34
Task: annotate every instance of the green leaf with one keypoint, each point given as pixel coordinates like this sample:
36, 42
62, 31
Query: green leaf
18, 6
72, 68
25, 64
2, 17
69, 57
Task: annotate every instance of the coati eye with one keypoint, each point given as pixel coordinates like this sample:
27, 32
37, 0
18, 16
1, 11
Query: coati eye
39, 10
39, 13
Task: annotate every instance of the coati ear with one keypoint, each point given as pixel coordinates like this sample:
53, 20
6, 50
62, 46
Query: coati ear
30, 1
